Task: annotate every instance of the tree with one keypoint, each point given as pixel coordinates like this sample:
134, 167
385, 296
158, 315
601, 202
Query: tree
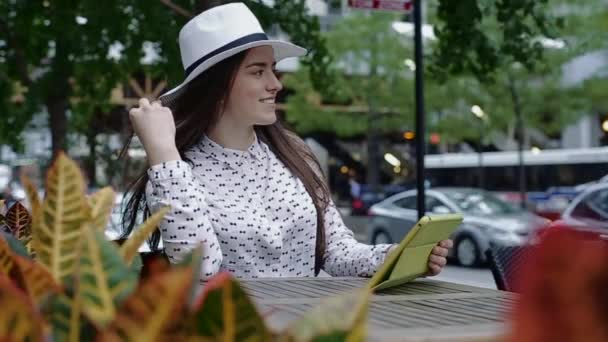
64, 58
479, 37
370, 73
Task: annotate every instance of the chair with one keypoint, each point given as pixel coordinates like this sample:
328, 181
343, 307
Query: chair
505, 262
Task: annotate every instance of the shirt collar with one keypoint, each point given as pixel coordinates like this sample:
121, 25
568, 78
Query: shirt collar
234, 158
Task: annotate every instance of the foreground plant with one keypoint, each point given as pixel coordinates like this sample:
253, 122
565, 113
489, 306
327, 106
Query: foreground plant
563, 290
61, 280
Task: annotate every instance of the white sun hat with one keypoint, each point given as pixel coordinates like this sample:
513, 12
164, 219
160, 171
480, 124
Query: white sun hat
219, 33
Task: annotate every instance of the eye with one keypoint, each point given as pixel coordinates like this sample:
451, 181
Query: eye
259, 72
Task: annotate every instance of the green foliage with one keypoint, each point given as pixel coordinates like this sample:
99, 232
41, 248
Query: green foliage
224, 312
368, 64
59, 52
481, 36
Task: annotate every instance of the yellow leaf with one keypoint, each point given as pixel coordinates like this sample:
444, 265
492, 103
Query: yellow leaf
129, 248
153, 309
101, 204
35, 279
7, 260
64, 214
19, 320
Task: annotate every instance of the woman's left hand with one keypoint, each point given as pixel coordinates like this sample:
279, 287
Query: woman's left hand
437, 259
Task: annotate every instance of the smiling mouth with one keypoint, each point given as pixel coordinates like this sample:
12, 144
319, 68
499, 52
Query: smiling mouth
269, 100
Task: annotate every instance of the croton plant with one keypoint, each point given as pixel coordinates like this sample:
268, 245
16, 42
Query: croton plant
62, 280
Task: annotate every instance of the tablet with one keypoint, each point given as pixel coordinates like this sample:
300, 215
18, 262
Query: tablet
410, 259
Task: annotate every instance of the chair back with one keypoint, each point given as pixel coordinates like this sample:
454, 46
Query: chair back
506, 263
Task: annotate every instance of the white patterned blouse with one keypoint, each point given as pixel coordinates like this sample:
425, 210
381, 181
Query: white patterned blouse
252, 216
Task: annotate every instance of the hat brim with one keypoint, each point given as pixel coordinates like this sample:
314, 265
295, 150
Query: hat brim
281, 49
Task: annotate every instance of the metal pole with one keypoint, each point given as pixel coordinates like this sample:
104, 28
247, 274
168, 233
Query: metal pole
480, 155
420, 134
522, 167
520, 141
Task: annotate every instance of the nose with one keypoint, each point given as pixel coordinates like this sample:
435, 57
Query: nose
275, 85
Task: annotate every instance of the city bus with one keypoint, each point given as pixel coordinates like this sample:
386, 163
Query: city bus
544, 168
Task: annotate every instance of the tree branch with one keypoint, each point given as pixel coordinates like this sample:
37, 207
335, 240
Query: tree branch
19, 54
177, 9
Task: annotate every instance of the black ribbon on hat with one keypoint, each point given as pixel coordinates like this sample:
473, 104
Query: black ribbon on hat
241, 41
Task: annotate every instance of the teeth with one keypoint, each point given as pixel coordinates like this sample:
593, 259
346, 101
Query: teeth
267, 101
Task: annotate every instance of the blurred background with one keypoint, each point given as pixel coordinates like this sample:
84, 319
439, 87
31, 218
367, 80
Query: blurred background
515, 96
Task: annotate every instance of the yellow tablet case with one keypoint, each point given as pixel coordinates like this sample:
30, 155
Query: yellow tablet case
410, 259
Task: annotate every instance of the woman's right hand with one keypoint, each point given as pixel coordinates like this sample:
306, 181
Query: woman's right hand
155, 127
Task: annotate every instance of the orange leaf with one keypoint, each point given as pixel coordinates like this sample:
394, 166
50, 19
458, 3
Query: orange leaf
19, 320
6, 258
35, 279
153, 309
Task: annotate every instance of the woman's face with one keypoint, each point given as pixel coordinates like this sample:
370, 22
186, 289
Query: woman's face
252, 98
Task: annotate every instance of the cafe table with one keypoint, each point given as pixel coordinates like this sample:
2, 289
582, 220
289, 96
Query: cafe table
422, 310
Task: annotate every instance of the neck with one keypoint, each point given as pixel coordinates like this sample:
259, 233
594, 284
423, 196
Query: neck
232, 135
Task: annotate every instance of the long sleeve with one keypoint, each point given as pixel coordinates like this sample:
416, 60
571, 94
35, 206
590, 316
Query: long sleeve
186, 226
344, 255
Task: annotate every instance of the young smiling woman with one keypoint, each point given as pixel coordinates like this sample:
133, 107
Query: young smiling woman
237, 180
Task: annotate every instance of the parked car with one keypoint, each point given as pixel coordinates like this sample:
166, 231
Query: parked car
360, 205
487, 221
588, 211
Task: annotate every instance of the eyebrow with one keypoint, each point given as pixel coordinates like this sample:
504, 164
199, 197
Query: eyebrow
260, 64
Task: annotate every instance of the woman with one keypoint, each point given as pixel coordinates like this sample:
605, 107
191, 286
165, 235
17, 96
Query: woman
238, 182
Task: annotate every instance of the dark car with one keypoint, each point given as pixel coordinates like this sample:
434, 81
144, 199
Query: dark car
588, 211
360, 205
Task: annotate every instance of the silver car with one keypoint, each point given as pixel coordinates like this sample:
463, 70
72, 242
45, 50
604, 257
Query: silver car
487, 221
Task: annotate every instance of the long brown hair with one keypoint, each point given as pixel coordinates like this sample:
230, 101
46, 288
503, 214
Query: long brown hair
199, 109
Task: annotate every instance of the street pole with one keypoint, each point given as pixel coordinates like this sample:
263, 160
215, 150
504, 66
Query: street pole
373, 146
519, 124
420, 133
480, 153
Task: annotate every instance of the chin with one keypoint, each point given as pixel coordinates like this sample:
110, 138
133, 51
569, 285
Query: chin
266, 119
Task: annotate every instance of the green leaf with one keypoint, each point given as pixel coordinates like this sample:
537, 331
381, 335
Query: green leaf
193, 261
224, 312
65, 316
104, 280
15, 245
342, 318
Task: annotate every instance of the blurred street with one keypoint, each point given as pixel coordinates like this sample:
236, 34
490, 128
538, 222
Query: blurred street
481, 277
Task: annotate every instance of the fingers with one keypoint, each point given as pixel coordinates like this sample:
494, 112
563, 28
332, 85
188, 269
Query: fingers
440, 251
446, 243
437, 260
144, 103
434, 269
